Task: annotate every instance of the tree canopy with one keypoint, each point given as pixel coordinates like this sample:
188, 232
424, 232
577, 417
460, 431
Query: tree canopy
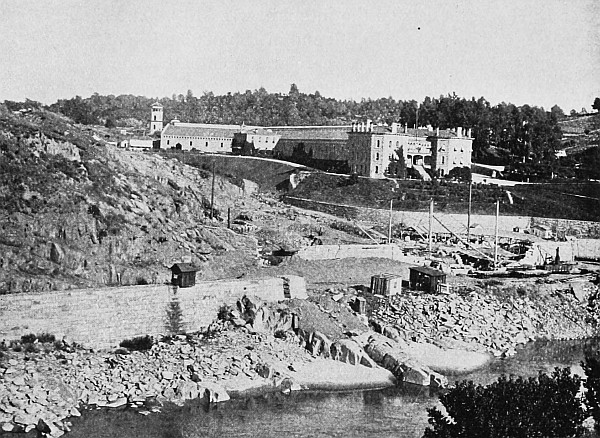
503, 133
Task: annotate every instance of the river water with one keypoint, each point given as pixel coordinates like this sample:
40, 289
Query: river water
391, 412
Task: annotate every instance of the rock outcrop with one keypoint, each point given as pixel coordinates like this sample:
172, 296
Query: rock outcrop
390, 355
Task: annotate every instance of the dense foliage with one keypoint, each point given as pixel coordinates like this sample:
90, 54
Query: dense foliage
546, 406
503, 133
591, 367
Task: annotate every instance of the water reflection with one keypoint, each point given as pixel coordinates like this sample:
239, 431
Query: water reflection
392, 412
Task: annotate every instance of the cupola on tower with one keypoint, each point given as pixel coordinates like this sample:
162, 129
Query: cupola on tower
156, 118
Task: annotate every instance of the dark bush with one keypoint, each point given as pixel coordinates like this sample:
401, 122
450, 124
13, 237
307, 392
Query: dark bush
28, 339
591, 367
46, 338
141, 343
280, 334
30, 348
544, 407
224, 313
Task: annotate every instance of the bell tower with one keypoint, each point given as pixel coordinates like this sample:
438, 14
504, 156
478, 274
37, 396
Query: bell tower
156, 118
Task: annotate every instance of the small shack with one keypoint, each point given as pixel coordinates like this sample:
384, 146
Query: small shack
426, 279
183, 274
386, 284
542, 231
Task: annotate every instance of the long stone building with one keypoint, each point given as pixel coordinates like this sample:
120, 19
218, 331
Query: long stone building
361, 148
198, 136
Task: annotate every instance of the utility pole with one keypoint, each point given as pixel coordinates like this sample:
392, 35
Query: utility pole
469, 214
212, 192
496, 236
430, 224
390, 224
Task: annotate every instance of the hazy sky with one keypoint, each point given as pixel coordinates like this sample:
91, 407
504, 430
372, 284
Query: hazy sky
541, 52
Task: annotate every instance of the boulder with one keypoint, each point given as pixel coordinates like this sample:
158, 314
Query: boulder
57, 254
319, 345
347, 351
212, 392
187, 390
388, 354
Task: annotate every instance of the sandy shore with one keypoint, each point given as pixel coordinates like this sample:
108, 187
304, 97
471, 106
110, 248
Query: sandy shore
329, 374
447, 361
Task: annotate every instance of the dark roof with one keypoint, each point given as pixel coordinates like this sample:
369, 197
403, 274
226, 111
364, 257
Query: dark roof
427, 271
421, 132
184, 267
200, 130
387, 276
312, 132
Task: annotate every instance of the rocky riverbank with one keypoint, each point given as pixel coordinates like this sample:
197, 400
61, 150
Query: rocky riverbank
496, 321
42, 385
285, 347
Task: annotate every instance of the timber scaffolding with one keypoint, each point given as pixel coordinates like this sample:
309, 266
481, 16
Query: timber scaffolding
485, 241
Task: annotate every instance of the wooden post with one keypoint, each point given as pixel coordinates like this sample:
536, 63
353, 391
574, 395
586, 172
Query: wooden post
496, 236
430, 224
390, 224
212, 192
228, 217
469, 213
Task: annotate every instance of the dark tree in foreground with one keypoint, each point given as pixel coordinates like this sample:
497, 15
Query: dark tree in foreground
596, 104
546, 406
591, 367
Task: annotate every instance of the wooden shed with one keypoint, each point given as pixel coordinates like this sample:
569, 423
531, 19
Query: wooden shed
426, 279
386, 284
183, 274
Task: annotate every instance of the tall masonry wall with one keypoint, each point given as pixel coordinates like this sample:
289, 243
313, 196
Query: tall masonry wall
104, 317
583, 229
327, 252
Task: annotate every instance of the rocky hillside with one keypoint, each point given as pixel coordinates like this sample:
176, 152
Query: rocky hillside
77, 213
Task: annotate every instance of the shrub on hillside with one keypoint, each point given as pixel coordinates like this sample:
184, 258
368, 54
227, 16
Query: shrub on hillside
546, 406
28, 339
140, 343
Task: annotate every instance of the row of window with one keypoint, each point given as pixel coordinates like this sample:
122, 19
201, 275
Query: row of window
266, 139
455, 149
192, 144
197, 138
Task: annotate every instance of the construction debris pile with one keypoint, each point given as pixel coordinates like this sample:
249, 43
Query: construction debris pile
483, 322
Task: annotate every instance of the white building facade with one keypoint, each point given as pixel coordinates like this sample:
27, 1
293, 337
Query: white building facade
373, 148
198, 137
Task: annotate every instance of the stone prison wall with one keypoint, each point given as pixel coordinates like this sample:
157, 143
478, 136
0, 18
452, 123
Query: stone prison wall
104, 317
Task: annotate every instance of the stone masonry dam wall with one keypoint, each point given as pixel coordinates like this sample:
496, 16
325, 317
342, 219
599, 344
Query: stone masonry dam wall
103, 317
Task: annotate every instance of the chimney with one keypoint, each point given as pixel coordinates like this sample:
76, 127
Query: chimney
459, 132
469, 133
437, 131
369, 125
405, 128
394, 128
362, 126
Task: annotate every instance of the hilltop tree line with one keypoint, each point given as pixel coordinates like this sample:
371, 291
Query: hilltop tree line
503, 133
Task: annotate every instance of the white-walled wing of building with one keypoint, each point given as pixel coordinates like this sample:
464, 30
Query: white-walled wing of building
198, 136
373, 148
